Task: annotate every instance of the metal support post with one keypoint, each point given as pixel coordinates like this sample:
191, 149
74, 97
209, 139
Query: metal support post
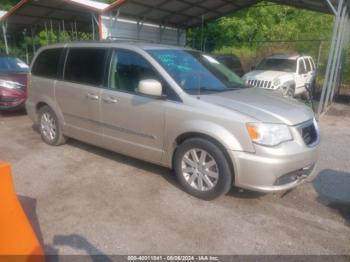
139, 28
179, 35
161, 32
336, 59
46, 33
340, 68
33, 40
326, 83
4, 33
25, 43
93, 26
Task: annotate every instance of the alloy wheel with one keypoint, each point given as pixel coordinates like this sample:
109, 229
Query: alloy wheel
200, 169
48, 126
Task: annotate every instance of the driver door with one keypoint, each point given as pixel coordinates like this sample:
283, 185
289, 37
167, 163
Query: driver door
133, 124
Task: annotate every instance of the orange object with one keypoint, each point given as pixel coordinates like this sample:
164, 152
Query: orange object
17, 239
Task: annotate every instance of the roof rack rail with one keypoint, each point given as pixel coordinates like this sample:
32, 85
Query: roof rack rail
130, 39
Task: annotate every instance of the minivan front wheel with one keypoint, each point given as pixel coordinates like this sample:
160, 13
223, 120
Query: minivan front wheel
202, 169
49, 127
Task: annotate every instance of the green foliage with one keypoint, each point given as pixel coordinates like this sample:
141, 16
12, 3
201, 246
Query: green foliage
266, 28
263, 22
7, 4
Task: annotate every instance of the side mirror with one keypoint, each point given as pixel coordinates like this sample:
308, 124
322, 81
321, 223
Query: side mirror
150, 87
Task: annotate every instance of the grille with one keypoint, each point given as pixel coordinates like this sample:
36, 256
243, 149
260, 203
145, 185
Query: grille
309, 134
260, 83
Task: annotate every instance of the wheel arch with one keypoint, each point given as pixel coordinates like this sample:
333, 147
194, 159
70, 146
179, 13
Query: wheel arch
48, 102
188, 135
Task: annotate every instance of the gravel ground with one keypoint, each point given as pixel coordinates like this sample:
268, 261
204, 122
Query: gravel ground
85, 200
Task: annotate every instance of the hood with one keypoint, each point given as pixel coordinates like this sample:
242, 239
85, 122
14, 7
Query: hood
262, 105
265, 75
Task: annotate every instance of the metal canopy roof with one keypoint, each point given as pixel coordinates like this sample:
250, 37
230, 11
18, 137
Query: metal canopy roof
191, 13
176, 13
36, 13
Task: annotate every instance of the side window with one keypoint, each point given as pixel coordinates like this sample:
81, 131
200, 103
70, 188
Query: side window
47, 63
85, 66
308, 65
127, 70
313, 64
302, 69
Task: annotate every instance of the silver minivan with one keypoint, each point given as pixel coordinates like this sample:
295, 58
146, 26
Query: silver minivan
174, 107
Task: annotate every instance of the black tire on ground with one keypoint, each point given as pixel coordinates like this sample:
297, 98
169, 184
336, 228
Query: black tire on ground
59, 138
290, 92
225, 174
306, 96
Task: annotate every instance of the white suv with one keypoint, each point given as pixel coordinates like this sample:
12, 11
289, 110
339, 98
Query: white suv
287, 73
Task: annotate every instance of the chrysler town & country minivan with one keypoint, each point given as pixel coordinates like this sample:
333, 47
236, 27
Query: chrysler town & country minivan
174, 107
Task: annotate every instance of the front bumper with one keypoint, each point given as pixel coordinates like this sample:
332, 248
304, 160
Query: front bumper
276, 169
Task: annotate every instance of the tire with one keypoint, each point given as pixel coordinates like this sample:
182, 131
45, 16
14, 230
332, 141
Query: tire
290, 92
216, 176
50, 128
306, 96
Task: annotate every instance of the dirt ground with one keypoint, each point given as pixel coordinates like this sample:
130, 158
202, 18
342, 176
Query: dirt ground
85, 200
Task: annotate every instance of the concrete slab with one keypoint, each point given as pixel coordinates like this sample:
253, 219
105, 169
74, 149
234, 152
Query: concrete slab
86, 200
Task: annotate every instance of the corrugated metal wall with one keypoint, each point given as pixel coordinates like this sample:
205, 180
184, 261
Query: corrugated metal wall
119, 28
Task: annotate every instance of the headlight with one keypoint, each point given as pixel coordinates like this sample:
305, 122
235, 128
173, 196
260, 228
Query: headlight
269, 134
276, 82
10, 84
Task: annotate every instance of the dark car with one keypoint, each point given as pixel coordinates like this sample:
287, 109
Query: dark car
13, 83
232, 62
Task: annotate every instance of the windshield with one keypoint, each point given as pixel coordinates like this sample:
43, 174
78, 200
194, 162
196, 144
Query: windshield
12, 65
276, 64
196, 72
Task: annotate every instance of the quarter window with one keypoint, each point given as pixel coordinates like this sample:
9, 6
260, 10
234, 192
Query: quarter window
47, 63
128, 69
308, 65
85, 66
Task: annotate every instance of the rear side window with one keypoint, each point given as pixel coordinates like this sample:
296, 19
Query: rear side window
47, 63
85, 66
302, 69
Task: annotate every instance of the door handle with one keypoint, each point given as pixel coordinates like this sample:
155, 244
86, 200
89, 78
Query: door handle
110, 100
92, 96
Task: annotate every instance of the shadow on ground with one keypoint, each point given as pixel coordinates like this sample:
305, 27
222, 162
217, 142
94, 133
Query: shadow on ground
78, 242
8, 114
165, 173
333, 188
73, 241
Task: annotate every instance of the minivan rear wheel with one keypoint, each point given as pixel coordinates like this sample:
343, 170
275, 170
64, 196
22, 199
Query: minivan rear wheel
49, 127
202, 169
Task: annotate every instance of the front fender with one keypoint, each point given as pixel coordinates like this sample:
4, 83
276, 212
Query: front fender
219, 133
